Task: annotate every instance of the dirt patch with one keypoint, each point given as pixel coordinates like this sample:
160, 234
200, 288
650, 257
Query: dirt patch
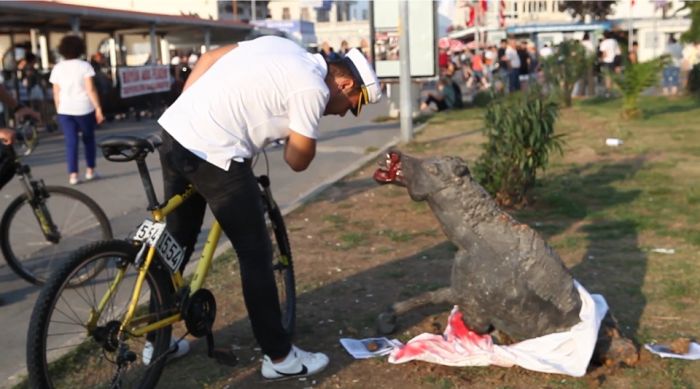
358, 248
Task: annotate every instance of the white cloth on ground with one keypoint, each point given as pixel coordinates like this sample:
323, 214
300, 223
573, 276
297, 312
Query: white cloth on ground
562, 352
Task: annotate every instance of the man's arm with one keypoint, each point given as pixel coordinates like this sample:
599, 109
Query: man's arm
299, 151
204, 63
7, 136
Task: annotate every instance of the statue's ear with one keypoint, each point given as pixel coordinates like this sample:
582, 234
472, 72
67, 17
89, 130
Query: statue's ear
460, 169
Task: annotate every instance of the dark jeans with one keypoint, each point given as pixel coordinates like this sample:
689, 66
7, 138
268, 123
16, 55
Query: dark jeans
234, 198
71, 126
440, 103
514, 79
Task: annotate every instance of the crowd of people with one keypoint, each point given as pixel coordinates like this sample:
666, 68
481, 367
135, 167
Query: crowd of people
513, 64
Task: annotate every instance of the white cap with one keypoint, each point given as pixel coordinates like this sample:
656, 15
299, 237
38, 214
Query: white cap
371, 90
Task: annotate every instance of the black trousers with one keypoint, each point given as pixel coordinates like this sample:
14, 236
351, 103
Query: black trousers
440, 103
234, 198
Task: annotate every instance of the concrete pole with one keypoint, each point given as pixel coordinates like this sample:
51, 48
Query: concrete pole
44, 51
165, 51
207, 40
405, 75
113, 59
154, 44
629, 29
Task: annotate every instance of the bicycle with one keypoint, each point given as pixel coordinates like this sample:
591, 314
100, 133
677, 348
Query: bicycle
117, 322
41, 226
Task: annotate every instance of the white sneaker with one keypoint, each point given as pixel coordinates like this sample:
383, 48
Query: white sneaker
93, 175
298, 363
181, 348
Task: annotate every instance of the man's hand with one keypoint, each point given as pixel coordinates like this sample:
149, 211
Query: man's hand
7, 136
25, 112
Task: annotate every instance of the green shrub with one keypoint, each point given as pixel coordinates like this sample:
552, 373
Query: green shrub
520, 137
568, 64
482, 99
694, 80
634, 80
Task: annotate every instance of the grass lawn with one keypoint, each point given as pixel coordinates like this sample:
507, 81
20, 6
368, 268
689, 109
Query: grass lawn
624, 219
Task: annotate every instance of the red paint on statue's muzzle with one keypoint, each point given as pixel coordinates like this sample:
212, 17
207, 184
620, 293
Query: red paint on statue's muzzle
389, 171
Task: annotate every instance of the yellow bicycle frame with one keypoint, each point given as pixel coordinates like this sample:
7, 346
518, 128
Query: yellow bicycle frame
131, 325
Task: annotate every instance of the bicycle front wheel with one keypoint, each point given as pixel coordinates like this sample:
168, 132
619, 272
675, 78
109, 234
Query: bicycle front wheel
71, 343
33, 255
284, 269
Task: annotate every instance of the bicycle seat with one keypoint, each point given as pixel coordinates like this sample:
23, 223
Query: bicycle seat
126, 148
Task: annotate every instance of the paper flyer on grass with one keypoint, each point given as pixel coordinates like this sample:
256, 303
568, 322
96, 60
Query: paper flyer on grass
370, 347
665, 352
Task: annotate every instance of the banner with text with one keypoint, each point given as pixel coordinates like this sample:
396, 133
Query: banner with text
142, 80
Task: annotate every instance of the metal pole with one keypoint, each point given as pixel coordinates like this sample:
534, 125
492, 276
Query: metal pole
252, 10
75, 24
405, 75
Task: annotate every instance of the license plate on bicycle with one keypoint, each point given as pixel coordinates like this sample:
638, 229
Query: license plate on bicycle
155, 234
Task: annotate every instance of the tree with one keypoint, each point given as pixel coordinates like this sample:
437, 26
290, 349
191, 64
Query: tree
636, 78
693, 33
520, 137
598, 10
567, 65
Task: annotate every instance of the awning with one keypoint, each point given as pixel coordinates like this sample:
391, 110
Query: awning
558, 27
20, 16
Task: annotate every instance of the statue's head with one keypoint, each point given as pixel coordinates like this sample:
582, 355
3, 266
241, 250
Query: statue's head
422, 177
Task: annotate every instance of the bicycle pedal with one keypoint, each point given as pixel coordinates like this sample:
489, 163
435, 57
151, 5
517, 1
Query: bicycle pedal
224, 356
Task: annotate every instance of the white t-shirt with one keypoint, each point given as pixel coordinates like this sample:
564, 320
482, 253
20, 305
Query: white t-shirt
251, 96
675, 50
70, 76
513, 57
610, 49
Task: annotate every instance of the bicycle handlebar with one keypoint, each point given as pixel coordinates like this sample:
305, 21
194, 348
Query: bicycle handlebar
27, 136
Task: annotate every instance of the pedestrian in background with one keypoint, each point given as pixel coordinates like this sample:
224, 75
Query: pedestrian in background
609, 49
513, 59
77, 104
633, 55
672, 72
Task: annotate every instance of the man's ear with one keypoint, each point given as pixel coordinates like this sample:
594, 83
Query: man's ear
346, 83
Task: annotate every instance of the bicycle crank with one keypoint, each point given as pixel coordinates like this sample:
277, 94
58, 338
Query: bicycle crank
199, 313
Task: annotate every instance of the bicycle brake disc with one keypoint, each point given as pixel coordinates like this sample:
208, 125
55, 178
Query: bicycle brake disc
199, 312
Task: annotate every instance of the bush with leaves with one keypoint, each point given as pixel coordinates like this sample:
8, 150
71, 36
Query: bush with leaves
694, 81
520, 137
567, 65
634, 80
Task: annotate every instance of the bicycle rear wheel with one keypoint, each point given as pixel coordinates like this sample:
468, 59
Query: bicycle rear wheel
284, 269
78, 220
62, 352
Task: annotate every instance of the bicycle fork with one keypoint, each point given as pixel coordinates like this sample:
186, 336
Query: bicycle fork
36, 196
